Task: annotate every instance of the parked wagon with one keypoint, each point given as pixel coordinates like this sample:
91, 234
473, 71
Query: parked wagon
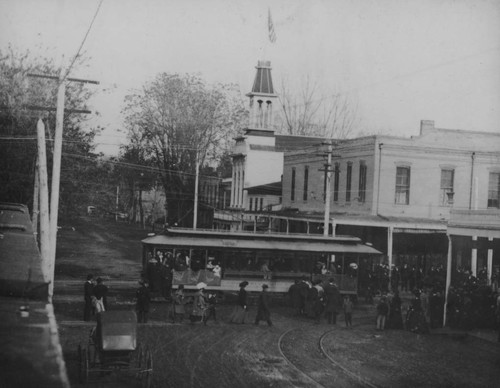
112, 347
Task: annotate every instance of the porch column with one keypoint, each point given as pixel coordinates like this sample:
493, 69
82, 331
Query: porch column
473, 259
307, 223
448, 278
287, 226
490, 259
255, 224
390, 231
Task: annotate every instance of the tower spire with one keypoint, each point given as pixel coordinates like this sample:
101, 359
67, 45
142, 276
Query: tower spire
262, 97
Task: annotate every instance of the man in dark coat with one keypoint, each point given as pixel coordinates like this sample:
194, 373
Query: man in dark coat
88, 291
332, 301
295, 299
303, 289
263, 312
143, 300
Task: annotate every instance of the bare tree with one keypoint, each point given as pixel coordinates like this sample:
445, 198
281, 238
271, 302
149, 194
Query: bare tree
179, 121
309, 111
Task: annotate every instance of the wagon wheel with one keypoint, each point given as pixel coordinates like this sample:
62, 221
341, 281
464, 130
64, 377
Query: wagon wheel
83, 360
138, 362
148, 370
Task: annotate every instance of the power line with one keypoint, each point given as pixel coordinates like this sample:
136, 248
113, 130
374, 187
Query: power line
83, 42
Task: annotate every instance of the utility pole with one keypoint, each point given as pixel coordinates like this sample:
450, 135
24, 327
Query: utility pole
56, 176
36, 199
117, 202
48, 228
44, 202
195, 210
328, 177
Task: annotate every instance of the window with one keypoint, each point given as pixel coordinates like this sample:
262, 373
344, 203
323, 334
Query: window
447, 176
292, 194
494, 190
251, 203
261, 204
348, 182
336, 181
362, 182
402, 186
306, 182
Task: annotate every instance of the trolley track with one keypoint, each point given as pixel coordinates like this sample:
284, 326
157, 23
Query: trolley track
322, 374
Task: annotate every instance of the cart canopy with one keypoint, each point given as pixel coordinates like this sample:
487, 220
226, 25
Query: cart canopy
117, 330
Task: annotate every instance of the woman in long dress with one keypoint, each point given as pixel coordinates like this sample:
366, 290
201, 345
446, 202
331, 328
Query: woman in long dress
395, 317
415, 319
239, 313
179, 301
199, 304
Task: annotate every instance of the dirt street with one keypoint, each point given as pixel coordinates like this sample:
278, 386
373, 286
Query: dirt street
295, 352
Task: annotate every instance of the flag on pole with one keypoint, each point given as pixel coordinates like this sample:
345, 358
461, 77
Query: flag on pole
272, 33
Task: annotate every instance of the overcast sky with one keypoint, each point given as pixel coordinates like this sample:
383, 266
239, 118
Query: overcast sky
402, 61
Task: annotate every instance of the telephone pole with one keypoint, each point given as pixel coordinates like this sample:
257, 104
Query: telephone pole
44, 201
195, 210
328, 177
50, 230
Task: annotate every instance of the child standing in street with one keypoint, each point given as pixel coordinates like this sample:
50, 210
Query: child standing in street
348, 311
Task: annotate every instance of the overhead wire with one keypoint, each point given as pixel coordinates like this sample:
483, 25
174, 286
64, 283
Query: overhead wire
82, 43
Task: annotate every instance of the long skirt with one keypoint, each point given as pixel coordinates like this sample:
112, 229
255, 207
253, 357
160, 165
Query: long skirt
179, 309
395, 320
238, 315
416, 323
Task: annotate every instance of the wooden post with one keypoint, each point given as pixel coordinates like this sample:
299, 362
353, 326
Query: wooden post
44, 201
448, 278
390, 231
473, 259
328, 177
56, 178
36, 200
490, 260
195, 210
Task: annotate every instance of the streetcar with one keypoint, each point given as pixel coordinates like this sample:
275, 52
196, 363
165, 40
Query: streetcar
223, 259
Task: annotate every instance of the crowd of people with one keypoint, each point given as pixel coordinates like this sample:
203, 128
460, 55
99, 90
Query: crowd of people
471, 302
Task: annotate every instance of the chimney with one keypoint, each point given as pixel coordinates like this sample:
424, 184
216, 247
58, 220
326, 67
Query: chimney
426, 125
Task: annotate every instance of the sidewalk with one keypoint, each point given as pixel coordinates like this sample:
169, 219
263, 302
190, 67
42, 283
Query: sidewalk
484, 334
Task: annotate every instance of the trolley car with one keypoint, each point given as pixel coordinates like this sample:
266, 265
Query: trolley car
223, 259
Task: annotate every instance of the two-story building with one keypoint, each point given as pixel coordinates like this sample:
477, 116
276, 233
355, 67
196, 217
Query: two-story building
396, 192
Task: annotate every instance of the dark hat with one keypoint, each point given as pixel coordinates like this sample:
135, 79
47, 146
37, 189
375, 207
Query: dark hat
99, 280
265, 286
244, 284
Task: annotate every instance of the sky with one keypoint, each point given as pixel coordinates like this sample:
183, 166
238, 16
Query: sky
400, 61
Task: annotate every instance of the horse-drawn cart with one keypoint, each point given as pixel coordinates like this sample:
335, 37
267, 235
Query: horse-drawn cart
112, 347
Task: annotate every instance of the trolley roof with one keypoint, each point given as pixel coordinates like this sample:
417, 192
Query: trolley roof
177, 237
